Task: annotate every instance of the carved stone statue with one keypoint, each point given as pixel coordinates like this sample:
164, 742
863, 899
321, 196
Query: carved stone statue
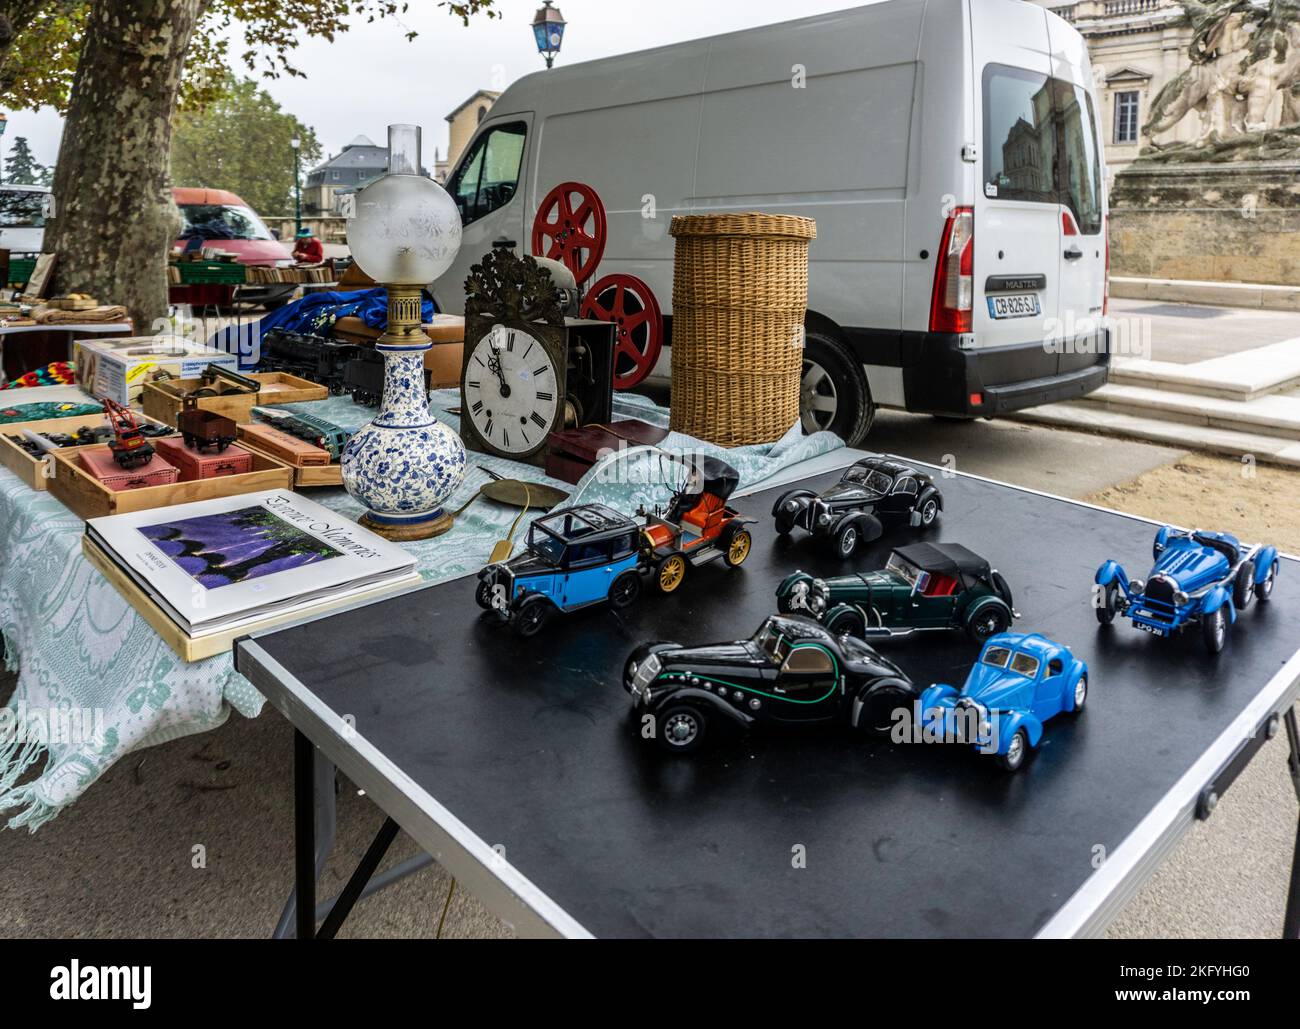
1243, 54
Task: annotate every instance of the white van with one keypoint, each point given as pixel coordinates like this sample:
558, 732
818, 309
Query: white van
948, 150
23, 210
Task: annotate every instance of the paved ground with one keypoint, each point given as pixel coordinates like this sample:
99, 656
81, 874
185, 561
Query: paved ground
120, 862
1185, 333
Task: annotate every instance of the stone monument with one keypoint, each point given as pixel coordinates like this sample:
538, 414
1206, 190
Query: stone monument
1224, 205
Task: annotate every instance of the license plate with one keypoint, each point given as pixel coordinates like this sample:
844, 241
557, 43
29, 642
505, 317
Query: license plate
1150, 628
1013, 305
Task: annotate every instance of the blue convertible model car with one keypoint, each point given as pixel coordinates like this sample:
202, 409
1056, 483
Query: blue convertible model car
576, 557
1019, 682
1199, 578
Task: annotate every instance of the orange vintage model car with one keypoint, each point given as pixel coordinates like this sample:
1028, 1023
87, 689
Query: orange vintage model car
698, 526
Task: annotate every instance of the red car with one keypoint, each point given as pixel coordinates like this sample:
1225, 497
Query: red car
220, 219
698, 525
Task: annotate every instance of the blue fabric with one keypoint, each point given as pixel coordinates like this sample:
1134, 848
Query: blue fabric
315, 315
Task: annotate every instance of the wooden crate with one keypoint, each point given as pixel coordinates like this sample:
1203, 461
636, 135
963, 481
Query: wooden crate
196, 648
164, 400
303, 475
30, 469
87, 497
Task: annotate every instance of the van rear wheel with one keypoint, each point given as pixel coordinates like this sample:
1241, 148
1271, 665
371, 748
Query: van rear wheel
834, 394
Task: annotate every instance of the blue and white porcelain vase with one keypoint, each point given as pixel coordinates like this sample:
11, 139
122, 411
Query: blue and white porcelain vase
405, 464
405, 232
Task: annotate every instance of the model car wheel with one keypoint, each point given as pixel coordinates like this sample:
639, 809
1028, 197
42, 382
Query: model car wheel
784, 522
1215, 627
1109, 604
737, 548
877, 715
929, 511
988, 621
1243, 587
483, 594
1017, 751
847, 623
625, 590
1080, 694
846, 540
681, 729
833, 392
533, 613
670, 573
1264, 588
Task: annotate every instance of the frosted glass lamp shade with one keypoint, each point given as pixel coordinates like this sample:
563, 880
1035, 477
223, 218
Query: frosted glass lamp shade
406, 230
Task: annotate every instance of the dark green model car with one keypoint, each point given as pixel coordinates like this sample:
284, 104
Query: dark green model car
922, 586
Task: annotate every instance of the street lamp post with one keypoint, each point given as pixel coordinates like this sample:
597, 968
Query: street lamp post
548, 31
296, 142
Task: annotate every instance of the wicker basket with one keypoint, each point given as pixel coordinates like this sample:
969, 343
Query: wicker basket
740, 288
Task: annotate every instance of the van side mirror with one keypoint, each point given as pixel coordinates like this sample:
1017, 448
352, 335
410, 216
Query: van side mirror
275, 233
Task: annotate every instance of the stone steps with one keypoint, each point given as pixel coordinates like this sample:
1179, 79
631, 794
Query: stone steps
1242, 376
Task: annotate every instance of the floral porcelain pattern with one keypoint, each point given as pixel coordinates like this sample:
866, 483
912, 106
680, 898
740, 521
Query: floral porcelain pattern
405, 464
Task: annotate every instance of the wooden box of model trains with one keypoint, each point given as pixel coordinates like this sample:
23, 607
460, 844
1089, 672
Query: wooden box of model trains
311, 465
204, 464
35, 471
87, 497
163, 400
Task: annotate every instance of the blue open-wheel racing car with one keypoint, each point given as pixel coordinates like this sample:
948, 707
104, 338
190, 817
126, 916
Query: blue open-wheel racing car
1199, 579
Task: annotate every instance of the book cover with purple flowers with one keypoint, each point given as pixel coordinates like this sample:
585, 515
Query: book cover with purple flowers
215, 564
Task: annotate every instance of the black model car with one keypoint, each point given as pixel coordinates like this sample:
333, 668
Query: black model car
870, 493
791, 670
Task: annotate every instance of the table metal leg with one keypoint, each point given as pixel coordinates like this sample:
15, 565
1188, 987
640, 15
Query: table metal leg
304, 816
342, 906
1291, 921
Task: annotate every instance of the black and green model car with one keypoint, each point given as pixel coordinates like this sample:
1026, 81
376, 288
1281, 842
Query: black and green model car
923, 586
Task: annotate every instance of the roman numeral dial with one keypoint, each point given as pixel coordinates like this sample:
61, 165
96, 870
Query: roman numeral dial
510, 388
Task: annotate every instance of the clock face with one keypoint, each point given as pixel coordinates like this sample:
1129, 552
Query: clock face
511, 390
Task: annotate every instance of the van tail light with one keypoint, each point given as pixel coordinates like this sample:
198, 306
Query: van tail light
954, 274
1068, 228
1105, 289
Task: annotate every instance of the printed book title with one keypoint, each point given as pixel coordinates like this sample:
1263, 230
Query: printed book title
337, 534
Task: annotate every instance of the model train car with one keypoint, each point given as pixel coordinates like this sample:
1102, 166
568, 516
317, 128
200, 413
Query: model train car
318, 359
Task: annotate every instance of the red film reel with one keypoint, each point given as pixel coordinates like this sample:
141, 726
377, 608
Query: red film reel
630, 304
570, 227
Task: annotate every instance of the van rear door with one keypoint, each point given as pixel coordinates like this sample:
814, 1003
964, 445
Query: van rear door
1083, 223
1017, 216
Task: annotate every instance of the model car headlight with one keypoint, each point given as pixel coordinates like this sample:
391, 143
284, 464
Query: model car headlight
1180, 598
644, 675
1137, 585
791, 505
824, 518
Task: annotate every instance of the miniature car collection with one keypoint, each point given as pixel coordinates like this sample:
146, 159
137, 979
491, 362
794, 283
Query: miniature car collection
790, 671
871, 492
698, 525
923, 586
1019, 682
1199, 579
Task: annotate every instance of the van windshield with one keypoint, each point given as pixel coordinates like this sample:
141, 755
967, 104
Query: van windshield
22, 209
1040, 143
221, 221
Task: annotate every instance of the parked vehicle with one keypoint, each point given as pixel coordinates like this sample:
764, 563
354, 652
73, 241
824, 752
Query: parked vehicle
1019, 682
221, 219
575, 557
923, 586
698, 526
1199, 579
790, 671
948, 150
23, 210
871, 492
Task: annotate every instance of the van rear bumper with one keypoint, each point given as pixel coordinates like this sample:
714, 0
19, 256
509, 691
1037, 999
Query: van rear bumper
940, 376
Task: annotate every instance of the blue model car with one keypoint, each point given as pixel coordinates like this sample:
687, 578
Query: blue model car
1199, 578
576, 557
1019, 682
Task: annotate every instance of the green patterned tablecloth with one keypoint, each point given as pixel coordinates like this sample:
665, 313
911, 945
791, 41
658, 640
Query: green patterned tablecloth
96, 683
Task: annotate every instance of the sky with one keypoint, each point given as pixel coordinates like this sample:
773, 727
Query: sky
371, 76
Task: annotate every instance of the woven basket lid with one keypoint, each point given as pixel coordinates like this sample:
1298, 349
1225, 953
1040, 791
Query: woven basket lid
752, 223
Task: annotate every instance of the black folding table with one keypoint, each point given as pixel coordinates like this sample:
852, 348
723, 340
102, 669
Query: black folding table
516, 765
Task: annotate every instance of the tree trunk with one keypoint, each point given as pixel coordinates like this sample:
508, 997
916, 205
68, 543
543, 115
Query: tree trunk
114, 219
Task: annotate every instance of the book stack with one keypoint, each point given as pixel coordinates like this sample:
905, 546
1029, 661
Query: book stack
203, 573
